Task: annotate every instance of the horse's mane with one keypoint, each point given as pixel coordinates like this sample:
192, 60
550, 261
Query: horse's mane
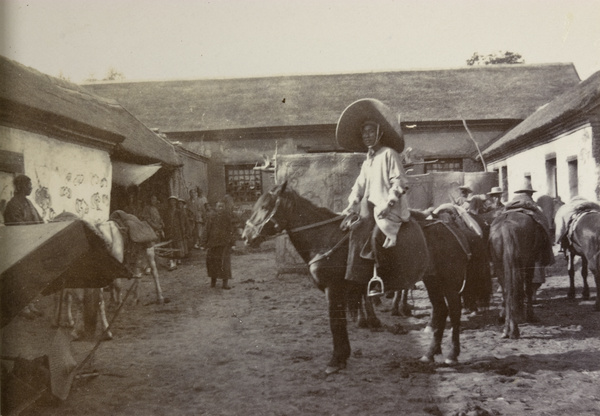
305, 205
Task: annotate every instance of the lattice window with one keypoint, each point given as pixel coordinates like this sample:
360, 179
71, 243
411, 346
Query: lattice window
443, 165
244, 183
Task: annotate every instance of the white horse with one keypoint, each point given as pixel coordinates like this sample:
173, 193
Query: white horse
136, 256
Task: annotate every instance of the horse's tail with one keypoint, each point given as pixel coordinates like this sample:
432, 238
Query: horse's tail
513, 276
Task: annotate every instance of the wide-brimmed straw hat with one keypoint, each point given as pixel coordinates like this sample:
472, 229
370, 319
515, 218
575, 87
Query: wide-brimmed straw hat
465, 188
526, 189
496, 190
349, 127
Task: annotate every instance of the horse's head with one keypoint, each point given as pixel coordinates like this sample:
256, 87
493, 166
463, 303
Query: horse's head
263, 221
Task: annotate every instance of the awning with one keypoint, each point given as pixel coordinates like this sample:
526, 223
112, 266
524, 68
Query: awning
127, 174
43, 258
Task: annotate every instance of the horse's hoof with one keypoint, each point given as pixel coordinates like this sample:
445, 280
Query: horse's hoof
108, 336
426, 359
428, 329
332, 370
450, 361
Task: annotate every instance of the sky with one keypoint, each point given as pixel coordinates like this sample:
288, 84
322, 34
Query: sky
185, 39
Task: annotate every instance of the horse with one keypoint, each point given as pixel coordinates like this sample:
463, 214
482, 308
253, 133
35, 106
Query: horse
516, 243
478, 285
583, 239
470, 236
316, 235
133, 254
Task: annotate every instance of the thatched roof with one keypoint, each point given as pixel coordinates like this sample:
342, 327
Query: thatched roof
473, 93
575, 101
37, 102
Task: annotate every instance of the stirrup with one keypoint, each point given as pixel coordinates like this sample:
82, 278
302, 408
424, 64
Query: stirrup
372, 288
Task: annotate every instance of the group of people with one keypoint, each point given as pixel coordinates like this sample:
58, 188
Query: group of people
192, 224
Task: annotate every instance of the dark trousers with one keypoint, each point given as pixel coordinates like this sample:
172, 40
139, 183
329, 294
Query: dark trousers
218, 264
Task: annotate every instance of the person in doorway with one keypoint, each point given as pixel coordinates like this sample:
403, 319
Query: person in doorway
377, 196
218, 238
151, 215
21, 211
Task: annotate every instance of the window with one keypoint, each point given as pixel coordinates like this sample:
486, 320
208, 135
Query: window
244, 183
551, 176
573, 178
443, 165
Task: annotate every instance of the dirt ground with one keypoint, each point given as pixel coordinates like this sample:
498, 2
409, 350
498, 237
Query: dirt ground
262, 347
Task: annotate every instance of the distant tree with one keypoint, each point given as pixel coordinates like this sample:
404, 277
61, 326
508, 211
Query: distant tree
500, 57
113, 75
62, 76
91, 78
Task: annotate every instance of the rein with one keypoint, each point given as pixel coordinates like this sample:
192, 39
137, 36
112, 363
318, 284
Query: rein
316, 224
318, 257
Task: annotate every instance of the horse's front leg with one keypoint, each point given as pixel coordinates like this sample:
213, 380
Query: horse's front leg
529, 292
107, 335
439, 314
400, 304
571, 270
151, 255
596, 273
454, 307
371, 317
585, 295
69, 307
336, 303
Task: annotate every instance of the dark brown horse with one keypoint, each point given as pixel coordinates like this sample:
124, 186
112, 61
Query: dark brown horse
517, 241
316, 235
478, 286
445, 282
584, 240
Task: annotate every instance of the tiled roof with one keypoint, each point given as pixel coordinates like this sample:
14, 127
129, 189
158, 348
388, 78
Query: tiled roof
473, 93
71, 107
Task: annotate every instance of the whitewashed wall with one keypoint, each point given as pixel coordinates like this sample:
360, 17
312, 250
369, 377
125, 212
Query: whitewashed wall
65, 176
577, 143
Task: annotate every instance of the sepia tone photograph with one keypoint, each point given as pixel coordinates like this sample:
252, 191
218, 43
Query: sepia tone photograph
286, 208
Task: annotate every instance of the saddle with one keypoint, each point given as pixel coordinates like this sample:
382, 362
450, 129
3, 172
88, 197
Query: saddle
577, 215
138, 231
532, 210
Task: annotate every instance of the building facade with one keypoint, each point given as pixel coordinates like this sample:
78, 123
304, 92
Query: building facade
445, 114
556, 149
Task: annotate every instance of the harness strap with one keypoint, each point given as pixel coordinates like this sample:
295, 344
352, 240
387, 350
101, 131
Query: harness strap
329, 252
317, 224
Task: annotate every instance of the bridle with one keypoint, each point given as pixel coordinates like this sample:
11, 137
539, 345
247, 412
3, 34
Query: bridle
278, 229
259, 227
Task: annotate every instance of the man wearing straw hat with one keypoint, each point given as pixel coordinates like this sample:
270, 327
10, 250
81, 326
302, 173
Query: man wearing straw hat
523, 200
368, 125
494, 199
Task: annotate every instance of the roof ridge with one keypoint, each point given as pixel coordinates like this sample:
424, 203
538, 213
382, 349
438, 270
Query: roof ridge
307, 75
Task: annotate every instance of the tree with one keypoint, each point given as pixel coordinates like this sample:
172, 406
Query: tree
500, 57
62, 76
113, 75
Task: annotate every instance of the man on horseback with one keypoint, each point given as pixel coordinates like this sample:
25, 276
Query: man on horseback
523, 201
377, 196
